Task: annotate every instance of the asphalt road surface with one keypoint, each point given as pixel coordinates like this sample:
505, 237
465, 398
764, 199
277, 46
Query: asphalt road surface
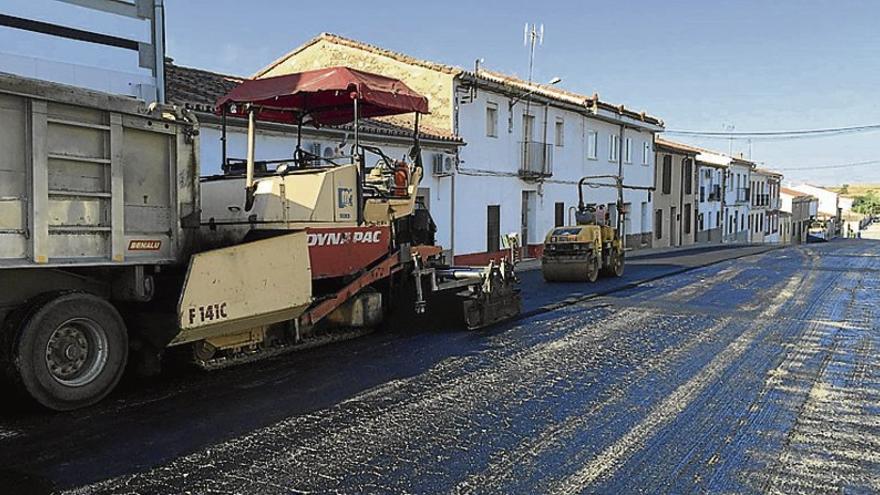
754, 375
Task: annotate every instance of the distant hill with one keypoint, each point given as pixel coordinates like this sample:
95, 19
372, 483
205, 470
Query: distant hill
854, 190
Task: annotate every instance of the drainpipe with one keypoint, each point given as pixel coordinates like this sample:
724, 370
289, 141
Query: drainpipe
723, 214
681, 203
621, 221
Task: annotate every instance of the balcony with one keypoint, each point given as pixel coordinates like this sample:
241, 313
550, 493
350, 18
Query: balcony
743, 194
761, 200
536, 160
715, 193
775, 204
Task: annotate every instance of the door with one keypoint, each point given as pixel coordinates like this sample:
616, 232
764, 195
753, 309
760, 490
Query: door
527, 220
673, 232
493, 228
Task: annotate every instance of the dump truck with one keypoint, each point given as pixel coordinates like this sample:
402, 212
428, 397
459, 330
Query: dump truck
114, 250
592, 246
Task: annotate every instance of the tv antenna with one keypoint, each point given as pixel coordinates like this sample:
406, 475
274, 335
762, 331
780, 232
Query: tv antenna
533, 35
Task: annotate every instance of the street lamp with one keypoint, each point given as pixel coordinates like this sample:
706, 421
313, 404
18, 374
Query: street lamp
551, 82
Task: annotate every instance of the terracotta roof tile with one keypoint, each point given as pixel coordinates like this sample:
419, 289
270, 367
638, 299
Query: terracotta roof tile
542, 89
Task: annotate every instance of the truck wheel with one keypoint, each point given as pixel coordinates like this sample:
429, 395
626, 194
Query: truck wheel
69, 351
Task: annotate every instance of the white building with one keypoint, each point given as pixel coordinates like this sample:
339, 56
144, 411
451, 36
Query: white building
737, 197
711, 171
764, 215
526, 146
114, 46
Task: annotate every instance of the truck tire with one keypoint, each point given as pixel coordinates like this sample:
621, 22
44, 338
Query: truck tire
67, 350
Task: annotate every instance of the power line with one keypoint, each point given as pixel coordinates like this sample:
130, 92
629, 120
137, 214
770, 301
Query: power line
778, 135
824, 167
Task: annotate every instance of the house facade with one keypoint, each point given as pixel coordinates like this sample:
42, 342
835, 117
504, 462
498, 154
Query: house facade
764, 206
711, 173
526, 146
737, 199
675, 194
802, 209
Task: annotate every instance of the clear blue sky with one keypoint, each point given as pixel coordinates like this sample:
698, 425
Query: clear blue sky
759, 65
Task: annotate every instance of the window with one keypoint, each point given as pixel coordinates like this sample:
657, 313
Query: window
646, 153
493, 228
560, 132
667, 174
688, 173
492, 119
559, 209
592, 144
717, 219
613, 148
627, 150
528, 127
658, 224
687, 218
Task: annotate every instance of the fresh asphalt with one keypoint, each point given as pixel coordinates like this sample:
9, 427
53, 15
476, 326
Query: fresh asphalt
689, 374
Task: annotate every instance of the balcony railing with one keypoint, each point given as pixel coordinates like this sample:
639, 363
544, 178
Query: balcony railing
761, 200
775, 203
536, 160
743, 194
715, 193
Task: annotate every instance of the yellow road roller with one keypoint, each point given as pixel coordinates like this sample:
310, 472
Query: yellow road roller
579, 253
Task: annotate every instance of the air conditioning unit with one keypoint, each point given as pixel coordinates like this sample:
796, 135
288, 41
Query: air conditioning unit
442, 164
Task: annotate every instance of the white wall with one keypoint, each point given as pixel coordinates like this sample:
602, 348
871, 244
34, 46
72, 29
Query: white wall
710, 209
489, 166
62, 60
738, 210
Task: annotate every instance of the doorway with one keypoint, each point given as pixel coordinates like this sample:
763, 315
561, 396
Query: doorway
527, 226
672, 230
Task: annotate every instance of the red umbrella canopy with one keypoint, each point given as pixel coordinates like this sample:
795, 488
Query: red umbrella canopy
325, 95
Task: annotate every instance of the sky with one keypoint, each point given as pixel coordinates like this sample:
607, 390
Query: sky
697, 64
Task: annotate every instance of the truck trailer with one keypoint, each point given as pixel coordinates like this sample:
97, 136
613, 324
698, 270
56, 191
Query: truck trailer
113, 247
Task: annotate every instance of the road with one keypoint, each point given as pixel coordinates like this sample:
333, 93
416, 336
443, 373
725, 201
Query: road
754, 375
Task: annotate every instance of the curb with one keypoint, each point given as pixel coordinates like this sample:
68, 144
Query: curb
579, 299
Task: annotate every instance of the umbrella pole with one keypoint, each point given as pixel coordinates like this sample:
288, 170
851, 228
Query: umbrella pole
361, 169
249, 173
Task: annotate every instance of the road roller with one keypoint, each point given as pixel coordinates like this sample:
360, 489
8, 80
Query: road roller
581, 252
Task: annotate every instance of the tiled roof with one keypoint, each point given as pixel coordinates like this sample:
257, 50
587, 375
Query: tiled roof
195, 88
199, 90
563, 95
764, 171
680, 147
794, 193
486, 75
